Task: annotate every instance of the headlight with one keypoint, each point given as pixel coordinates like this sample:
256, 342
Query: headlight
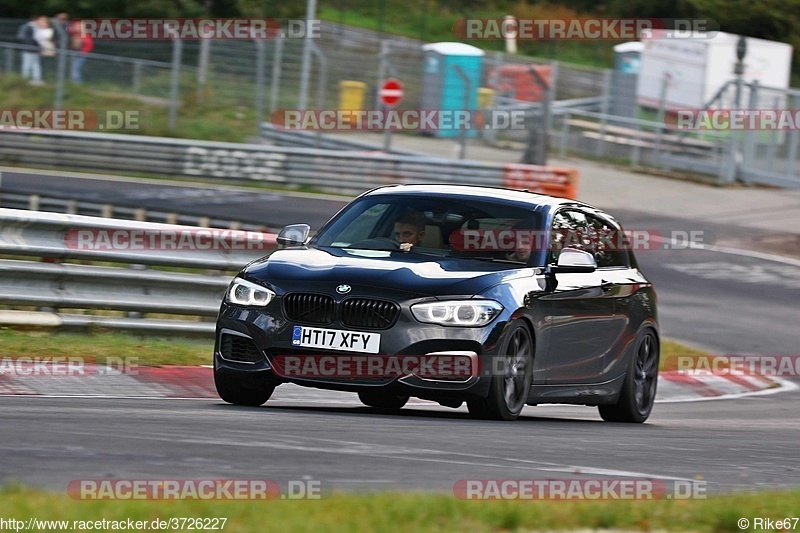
469, 313
242, 292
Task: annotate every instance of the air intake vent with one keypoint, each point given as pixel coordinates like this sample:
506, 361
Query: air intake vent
309, 308
368, 313
237, 348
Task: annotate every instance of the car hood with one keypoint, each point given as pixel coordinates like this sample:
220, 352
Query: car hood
413, 273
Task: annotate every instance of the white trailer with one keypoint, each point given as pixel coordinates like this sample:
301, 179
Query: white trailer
698, 67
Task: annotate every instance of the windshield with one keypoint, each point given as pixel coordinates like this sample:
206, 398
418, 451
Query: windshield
448, 227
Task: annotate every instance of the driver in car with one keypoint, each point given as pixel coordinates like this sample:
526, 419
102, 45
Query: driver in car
409, 229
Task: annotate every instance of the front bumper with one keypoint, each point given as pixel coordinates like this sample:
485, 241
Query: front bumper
408, 341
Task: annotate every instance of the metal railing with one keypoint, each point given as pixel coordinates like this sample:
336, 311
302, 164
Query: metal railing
117, 297
325, 170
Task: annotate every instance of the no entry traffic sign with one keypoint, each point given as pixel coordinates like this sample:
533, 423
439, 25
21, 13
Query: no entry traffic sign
391, 92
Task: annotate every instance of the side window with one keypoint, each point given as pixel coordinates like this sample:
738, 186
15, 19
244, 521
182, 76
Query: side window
362, 226
570, 230
608, 244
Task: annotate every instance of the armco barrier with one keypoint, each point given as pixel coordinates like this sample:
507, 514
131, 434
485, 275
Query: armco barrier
52, 287
327, 170
554, 181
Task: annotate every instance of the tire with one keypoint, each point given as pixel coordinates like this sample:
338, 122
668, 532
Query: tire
509, 390
381, 401
242, 392
639, 389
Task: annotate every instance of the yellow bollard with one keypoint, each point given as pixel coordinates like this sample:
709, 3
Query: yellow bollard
351, 97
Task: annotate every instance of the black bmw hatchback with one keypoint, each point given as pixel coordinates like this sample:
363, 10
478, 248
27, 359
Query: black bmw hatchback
492, 297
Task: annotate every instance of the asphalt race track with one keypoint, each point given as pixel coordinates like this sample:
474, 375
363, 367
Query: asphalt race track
728, 301
732, 444
706, 298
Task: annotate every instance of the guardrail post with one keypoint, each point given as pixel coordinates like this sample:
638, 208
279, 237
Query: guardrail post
636, 148
604, 105
462, 134
174, 96
662, 109
202, 67
172, 218
34, 200
538, 140
107, 211
140, 214
734, 157
204, 222
72, 207
565, 118
792, 138
275, 82
260, 52
322, 82
748, 151
305, 66
61, 67
9, 60
137, 77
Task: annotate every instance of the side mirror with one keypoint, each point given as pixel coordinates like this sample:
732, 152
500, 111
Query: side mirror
294, 235
574, 261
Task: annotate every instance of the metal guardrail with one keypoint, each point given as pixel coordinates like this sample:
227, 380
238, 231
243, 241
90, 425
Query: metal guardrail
72, 206
327, 170
95, 290
306, 139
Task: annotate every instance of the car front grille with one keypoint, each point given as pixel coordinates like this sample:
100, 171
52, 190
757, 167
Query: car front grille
238, 348
309, 308
368, 313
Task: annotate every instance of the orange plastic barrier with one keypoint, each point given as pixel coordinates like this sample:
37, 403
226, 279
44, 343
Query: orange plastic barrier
554, 181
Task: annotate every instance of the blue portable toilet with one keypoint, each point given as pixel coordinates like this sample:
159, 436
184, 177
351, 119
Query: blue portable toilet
443, 88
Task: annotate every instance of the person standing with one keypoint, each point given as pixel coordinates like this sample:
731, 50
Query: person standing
31, 65
43, 34
61, 25
82, 42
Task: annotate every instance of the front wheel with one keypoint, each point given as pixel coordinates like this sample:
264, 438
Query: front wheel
639, 389
509, 389
242, 391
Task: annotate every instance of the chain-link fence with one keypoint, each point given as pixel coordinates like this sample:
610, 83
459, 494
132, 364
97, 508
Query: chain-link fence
588, 111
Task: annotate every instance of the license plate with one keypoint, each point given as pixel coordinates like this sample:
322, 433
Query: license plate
336, 339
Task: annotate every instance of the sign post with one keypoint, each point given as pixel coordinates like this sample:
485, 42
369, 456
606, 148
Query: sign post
390, 95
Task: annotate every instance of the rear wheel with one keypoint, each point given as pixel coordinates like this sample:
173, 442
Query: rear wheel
251, 392
509, 389
639, 389
382, 401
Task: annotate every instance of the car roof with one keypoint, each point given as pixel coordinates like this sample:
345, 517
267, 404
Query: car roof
479, 191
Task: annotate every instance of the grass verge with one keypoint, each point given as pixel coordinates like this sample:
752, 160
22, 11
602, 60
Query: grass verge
156, 352
397, 511
212, 121
98, 348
